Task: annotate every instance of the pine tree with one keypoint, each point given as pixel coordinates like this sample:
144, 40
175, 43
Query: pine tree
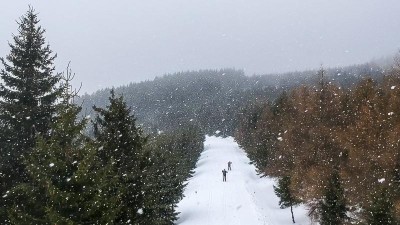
333, 207
122, 140
67, 184
28, 94
286, 198
381, 210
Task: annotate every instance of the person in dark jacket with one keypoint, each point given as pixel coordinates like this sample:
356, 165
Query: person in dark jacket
229, 165
224, 172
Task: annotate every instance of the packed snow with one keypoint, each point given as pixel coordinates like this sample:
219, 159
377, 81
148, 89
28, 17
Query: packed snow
245, 198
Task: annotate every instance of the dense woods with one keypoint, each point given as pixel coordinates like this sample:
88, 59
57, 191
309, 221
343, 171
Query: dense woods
123, 155
339, 147
52, 172
213, 99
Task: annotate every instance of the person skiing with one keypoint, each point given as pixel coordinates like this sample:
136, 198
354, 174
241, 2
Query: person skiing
229, 165
224, 172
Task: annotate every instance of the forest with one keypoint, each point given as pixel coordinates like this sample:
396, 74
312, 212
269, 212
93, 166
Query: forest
214, 99
53, 172
123, 155
334, 149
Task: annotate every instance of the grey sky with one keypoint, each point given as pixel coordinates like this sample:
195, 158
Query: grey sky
111, 43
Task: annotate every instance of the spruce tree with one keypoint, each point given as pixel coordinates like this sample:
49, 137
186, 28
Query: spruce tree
67, 184
173, 156
28, 94
286, 198
164, 187
122, 140
381, 211
333, 206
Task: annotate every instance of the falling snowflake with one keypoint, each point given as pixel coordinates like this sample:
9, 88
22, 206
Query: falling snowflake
140, 211
4, 196
393, 87
280, 139
51, 164
381, 180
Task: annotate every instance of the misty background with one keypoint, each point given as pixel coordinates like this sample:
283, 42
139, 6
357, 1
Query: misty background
115, 43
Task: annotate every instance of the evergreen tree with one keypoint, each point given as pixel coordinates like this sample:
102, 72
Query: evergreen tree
121, 140
164, 186
381, 210
28, 94
67, 184
173, 156
333, 207
286, 198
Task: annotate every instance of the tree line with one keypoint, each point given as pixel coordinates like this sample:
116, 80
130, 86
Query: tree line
334, 149
213, 99
52, 172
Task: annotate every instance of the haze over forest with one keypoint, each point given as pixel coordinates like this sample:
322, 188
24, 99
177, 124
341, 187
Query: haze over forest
323, 139
130, 41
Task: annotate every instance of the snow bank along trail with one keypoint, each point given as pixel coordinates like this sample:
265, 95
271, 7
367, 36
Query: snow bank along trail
244, 199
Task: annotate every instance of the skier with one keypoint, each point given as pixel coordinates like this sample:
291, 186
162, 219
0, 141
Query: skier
229, 165
224, 172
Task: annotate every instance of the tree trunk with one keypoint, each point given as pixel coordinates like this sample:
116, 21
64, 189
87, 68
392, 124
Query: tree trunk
291, 210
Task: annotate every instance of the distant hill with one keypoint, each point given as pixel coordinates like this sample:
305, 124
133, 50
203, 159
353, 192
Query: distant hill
214, 98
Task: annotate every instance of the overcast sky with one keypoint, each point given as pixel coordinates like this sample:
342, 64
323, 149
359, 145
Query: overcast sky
111, 43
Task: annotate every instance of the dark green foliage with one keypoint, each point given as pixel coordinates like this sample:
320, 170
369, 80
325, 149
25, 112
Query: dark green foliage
213, 99
333, 206
28, 94
115, 129
73, 181
208, 98
28, 91
286, 198
174, 155
121, 142
381, 211
151, 174
67, 183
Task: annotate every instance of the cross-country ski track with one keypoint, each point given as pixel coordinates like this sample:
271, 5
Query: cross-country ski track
245, 198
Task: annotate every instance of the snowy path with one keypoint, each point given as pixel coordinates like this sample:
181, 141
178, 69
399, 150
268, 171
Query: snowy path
244, 199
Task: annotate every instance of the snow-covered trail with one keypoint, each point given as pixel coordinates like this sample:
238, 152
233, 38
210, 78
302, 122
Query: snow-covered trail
244, 199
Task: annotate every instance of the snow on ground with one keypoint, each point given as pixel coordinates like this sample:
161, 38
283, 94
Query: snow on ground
244, 199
